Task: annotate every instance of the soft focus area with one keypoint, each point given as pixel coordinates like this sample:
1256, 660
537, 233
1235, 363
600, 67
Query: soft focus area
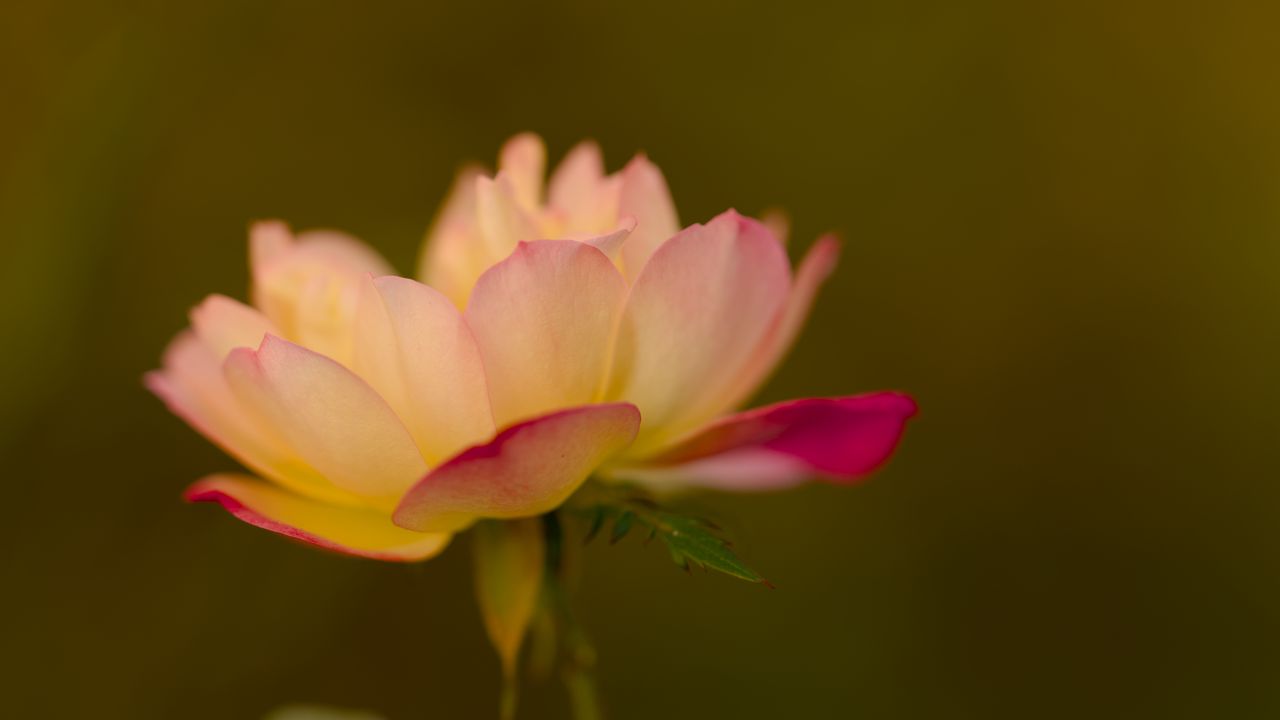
1061, 227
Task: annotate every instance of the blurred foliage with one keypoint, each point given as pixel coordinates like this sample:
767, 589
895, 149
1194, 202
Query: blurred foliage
1061, 227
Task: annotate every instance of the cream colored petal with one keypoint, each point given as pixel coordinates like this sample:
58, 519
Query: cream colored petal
192, 386
329, 416
501, 220
645, 197
452, 253
222, 324
524, 160
307, 286
544, 319
413, 347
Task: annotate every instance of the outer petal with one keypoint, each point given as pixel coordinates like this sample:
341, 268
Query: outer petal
544, 319
840, 439
192, 386
694, 319
332, 418
644, 196
813, 271
413, 347
528, 469
354, 531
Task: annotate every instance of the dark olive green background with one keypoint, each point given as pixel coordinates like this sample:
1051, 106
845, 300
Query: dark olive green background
1062, 226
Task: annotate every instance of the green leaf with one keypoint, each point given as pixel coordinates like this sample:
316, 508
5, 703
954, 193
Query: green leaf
689, 540
621, 526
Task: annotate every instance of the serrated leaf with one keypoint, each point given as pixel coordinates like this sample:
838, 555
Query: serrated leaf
689, 540
693, 541
621, 526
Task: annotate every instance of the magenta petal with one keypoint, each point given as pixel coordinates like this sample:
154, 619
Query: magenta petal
838, 439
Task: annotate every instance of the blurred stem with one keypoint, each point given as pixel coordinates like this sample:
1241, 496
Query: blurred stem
578, 656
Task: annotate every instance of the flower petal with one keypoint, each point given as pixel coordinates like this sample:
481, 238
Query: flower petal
353, 531
544, 319
581, 198
192, 386
308, 286
451, 254
694, 319
524, 160
223, 324
528, 469
332, 418
840, 439
501, 221
644, 196
813, 271
413, 347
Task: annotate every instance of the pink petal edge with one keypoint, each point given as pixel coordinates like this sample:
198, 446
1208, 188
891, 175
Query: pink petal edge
840, 439
199, 492
527, 469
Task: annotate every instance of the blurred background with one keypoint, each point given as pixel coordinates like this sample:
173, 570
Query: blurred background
1062, 235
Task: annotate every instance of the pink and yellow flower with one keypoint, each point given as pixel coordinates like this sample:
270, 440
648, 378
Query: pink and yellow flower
555, 334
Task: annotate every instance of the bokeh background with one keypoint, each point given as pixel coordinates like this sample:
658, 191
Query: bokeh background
1062, 235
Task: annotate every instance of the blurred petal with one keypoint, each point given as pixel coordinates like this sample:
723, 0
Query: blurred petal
308, 286
839, 439
501, 220
544, 319
353, 531
524, 160
644, 196
694, 319
510, 559
222, 324
528, 469
778, 222
581, 198
813, 271
576, 180
451, 255
332, 418
413, 347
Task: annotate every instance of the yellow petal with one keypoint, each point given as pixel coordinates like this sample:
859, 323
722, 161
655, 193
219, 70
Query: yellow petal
353, 531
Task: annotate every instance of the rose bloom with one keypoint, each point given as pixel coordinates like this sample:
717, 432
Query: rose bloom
554, 334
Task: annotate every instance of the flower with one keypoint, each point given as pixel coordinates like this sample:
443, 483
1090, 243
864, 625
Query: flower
554, 336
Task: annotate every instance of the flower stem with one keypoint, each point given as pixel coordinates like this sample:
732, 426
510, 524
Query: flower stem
578, 656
